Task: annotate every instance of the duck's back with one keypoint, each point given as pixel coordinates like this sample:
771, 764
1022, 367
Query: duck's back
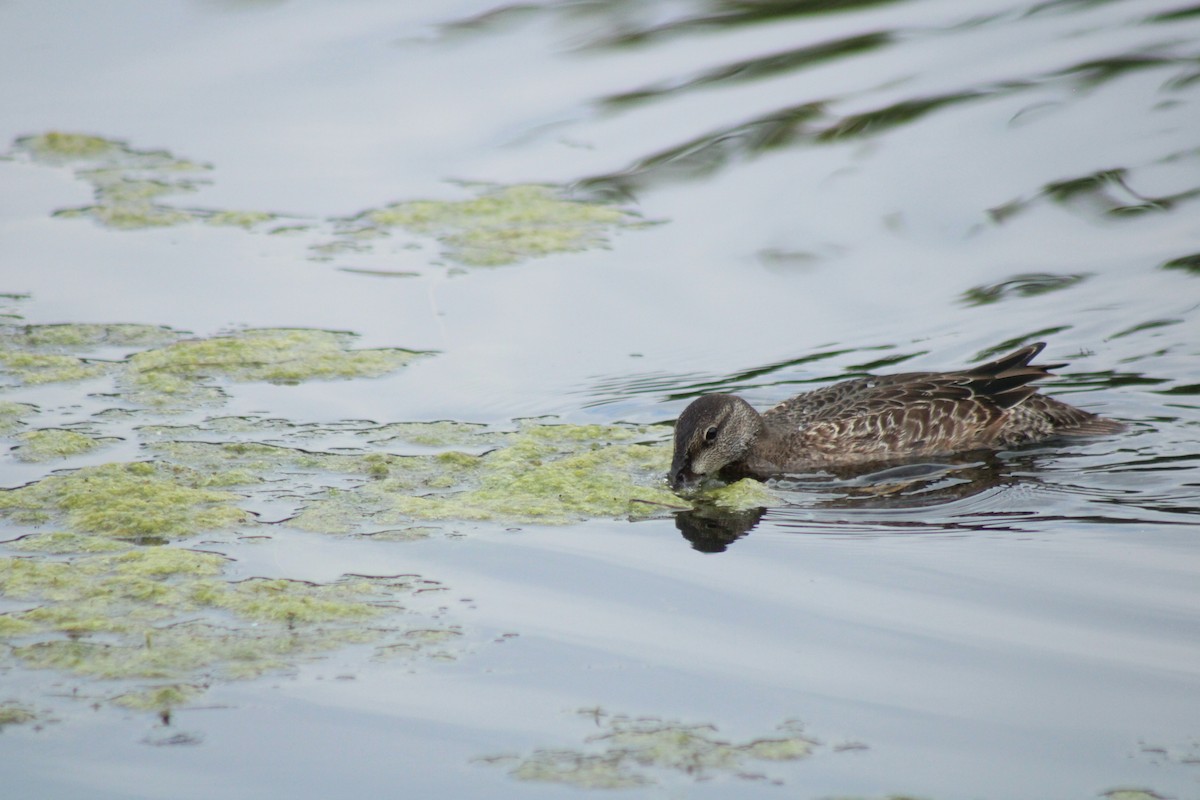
922, 413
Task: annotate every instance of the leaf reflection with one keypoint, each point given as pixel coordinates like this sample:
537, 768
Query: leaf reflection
759, 67
1029, 284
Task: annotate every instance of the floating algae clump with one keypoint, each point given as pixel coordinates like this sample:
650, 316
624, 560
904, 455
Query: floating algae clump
126, 501
130, 215
239, 219
165, 614
158, 698
125, 181
34, 354
540, 473
741, 496
249, 459
13, 713
63, 543
277, 355
106, 593
549, 474
289, 601
126, 593
586, 771
12, 415
128, 182
175, 372
48, 444
631, 749
503, 225
82, 335
35, 368
443, 433
59, 147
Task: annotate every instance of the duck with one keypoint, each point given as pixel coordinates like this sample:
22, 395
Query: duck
869, 420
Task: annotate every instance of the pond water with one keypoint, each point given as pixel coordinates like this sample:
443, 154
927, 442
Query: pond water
341, 342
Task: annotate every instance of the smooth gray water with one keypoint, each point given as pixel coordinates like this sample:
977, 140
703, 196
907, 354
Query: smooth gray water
835, 188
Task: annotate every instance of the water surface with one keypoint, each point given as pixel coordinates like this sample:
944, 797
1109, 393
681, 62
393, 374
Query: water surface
809, 191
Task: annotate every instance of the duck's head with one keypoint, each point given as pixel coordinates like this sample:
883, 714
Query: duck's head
714, 431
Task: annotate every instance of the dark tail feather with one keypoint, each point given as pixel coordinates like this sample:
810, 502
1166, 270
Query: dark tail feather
1006, 380
1017, 358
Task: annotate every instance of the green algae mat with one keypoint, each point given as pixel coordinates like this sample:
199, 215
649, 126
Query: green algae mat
166, 368
113, 569
631, 752
155, 626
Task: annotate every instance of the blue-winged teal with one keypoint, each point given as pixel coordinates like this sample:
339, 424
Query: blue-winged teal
864, 420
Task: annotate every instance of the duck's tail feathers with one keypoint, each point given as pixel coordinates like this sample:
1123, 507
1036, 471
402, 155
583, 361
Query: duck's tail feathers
1006, 380
1067, 420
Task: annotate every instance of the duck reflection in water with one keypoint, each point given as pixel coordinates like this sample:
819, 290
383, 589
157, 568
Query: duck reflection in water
843, 501
712, 530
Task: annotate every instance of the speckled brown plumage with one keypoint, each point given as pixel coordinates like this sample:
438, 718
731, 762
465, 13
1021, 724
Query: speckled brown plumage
866, 420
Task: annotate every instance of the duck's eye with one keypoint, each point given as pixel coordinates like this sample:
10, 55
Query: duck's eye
710, 435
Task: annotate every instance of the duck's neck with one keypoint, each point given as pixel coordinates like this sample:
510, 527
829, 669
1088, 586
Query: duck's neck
760, 440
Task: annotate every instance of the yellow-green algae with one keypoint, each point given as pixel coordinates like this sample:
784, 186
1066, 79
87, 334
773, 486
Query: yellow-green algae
12, 626
500, 225
81, 335
125, 181
166, 615
35, 368
159, 698
65, 542
14, 713
239, 463
12, 416
166, 372
58, 146
539, 473
130, 215
426, 642
630, 751
36, 354
175, 373
503, 225
547, 474
136, 500
117, 593
443, 433
47, 444
239, 219
742, 495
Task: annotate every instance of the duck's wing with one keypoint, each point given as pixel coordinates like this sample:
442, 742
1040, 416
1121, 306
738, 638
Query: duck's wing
912, 412
909, 414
